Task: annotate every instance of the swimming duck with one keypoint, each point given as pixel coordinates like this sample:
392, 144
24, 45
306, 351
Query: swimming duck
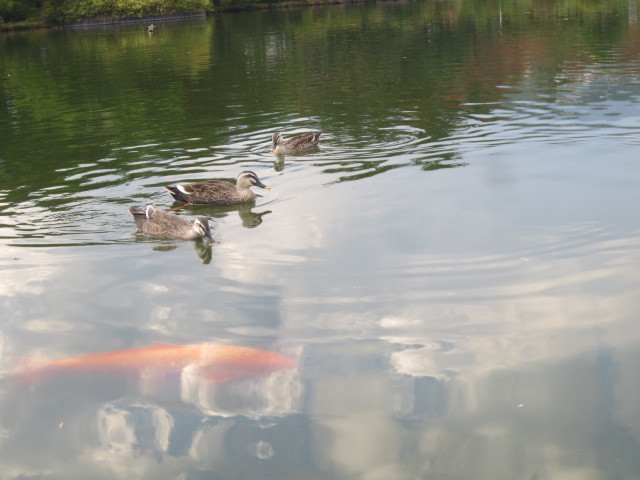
150, 28
217, 192
156, 223
300, 143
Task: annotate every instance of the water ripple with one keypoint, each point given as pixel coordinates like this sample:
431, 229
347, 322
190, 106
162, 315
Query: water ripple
86, 202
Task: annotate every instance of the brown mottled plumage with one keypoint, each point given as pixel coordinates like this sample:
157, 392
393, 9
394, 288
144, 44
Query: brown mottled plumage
217, 192
156, 223
297, 144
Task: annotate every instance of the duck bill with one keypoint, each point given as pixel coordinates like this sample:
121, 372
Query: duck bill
208, 238
262, 185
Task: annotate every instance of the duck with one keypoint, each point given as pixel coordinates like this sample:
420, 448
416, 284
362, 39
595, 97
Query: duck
297, 144
218, 192
150, 28
156, 223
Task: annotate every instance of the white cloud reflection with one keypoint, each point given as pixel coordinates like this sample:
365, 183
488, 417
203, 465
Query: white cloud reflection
118, 428
276, 394
422, 364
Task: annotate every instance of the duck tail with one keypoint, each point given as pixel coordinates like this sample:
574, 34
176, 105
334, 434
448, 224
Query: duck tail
136, 211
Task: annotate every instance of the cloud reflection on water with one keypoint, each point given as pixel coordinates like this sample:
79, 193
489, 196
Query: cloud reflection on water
460, 370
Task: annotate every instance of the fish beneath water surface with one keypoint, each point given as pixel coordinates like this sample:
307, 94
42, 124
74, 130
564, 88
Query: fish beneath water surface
213, 363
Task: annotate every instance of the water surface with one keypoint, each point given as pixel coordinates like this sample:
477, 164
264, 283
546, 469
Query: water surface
455, 268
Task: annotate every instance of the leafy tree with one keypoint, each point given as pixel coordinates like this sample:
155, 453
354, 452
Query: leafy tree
18, 10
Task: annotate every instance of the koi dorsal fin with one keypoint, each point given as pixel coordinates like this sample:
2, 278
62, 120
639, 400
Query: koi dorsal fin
163, 345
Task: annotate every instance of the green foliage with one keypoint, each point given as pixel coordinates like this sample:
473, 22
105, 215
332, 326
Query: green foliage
18, 10
71, 10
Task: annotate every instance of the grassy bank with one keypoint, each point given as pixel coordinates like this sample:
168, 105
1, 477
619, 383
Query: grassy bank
25, 25
17, 14
25, 14
73, 10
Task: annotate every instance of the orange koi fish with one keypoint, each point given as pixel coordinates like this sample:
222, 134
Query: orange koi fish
214, 363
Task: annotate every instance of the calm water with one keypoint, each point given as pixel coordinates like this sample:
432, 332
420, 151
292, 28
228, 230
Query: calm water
456, 269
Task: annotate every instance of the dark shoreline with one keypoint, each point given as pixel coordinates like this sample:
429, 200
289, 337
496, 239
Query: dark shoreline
21, 26
114, 22
170, 17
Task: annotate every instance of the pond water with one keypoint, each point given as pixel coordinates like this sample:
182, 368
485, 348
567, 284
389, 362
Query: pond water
455, 270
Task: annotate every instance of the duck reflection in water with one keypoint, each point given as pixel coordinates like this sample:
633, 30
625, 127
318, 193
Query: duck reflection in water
203, 250
248, 218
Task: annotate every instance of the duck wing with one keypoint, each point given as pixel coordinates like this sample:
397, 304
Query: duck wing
305, 141
211, 191
165, 225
